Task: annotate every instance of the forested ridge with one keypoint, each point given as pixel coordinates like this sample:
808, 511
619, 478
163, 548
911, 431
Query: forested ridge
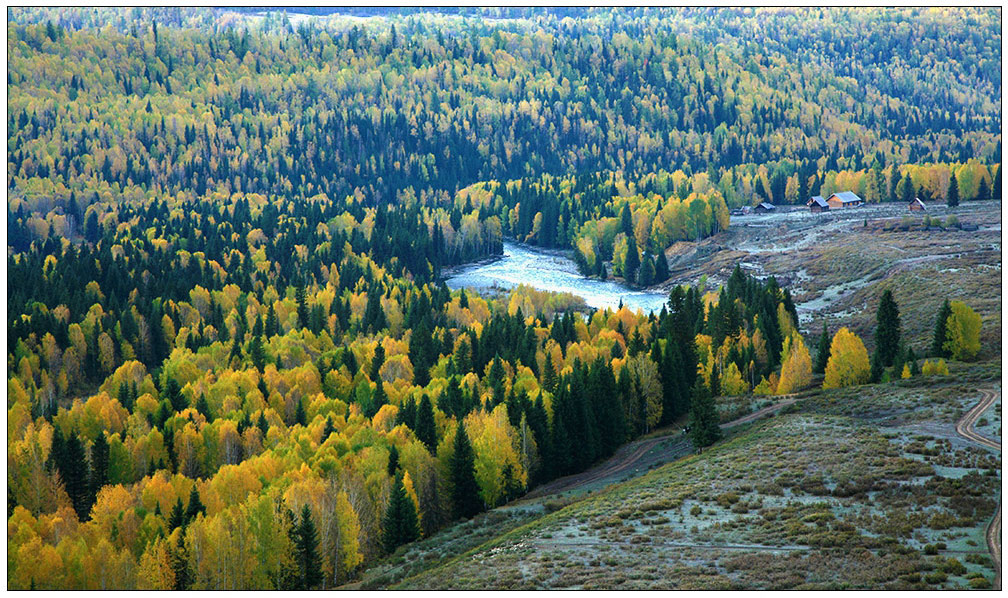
232, 361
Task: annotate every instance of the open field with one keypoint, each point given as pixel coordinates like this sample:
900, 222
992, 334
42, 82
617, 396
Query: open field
869, 487
838, 264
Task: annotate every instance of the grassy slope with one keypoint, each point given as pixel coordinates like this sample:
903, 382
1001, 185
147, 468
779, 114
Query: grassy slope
844, 491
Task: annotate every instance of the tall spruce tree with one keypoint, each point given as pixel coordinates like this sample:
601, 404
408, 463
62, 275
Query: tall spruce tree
704, 427
952, 195
938, 340
306, 554
822, 351
99, 465
425, 429
401, 524
632, 261
887, 329
466, 500
195, 505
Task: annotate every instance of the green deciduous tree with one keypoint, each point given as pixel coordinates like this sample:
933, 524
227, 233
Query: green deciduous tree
962, 332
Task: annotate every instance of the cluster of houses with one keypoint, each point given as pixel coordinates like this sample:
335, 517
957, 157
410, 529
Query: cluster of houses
838, 201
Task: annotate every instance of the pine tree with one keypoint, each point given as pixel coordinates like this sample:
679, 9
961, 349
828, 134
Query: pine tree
822, 351
466, 499
177, 516
704, 427
378, 399
661, 268
632, 261
179, 559
300, 417
421, 353
887, 329
99, 464
401, 525
195, 505
306, 553
302, 306
626, 222
983, 190
938, 340
377, 361
393, 460
952, 195
425, 429
257, 353
877, 367
271, 327
646, 272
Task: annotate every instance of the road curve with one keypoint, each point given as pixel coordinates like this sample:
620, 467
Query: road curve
964, 427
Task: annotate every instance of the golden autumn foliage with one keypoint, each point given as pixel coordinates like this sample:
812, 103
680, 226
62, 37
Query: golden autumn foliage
848, 364
796, 365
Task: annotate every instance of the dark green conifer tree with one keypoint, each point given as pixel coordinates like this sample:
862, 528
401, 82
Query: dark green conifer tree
401, 524
632, 260
376, 362
887, 329
466, 500
822, 351
704, 427
952, 195
938, 340
177, 516
393, 460
99, 465
195, 505
425, 429
306, 553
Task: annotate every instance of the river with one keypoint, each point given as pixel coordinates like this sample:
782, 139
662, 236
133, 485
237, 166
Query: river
550, 271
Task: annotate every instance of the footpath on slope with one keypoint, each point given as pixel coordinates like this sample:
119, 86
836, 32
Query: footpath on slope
629, 454
964, 427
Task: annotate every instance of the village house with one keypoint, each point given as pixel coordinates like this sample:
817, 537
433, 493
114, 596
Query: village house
818, 204
844, 199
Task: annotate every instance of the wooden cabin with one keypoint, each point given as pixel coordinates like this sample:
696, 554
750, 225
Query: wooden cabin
844, 199
818, 204
764, 207
917, 205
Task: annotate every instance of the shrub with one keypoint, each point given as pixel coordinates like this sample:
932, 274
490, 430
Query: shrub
952, 566
935, 578
938, 368
979, 583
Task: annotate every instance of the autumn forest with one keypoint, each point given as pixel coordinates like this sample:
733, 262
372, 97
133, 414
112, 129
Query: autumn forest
233, 362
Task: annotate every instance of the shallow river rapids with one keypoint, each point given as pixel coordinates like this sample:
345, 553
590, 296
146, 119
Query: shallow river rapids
550, 271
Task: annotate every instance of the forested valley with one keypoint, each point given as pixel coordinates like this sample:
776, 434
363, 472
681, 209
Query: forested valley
233, 362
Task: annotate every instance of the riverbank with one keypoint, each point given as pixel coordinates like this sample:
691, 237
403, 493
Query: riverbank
549, 270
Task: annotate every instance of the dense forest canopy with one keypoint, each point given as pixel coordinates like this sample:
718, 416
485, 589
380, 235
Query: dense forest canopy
232, 362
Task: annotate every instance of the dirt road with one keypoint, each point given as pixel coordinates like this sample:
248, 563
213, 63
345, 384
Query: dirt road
965, 429
627, 456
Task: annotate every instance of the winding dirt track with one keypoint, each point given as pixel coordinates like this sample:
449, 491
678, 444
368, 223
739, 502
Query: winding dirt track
630, 454
964, 427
